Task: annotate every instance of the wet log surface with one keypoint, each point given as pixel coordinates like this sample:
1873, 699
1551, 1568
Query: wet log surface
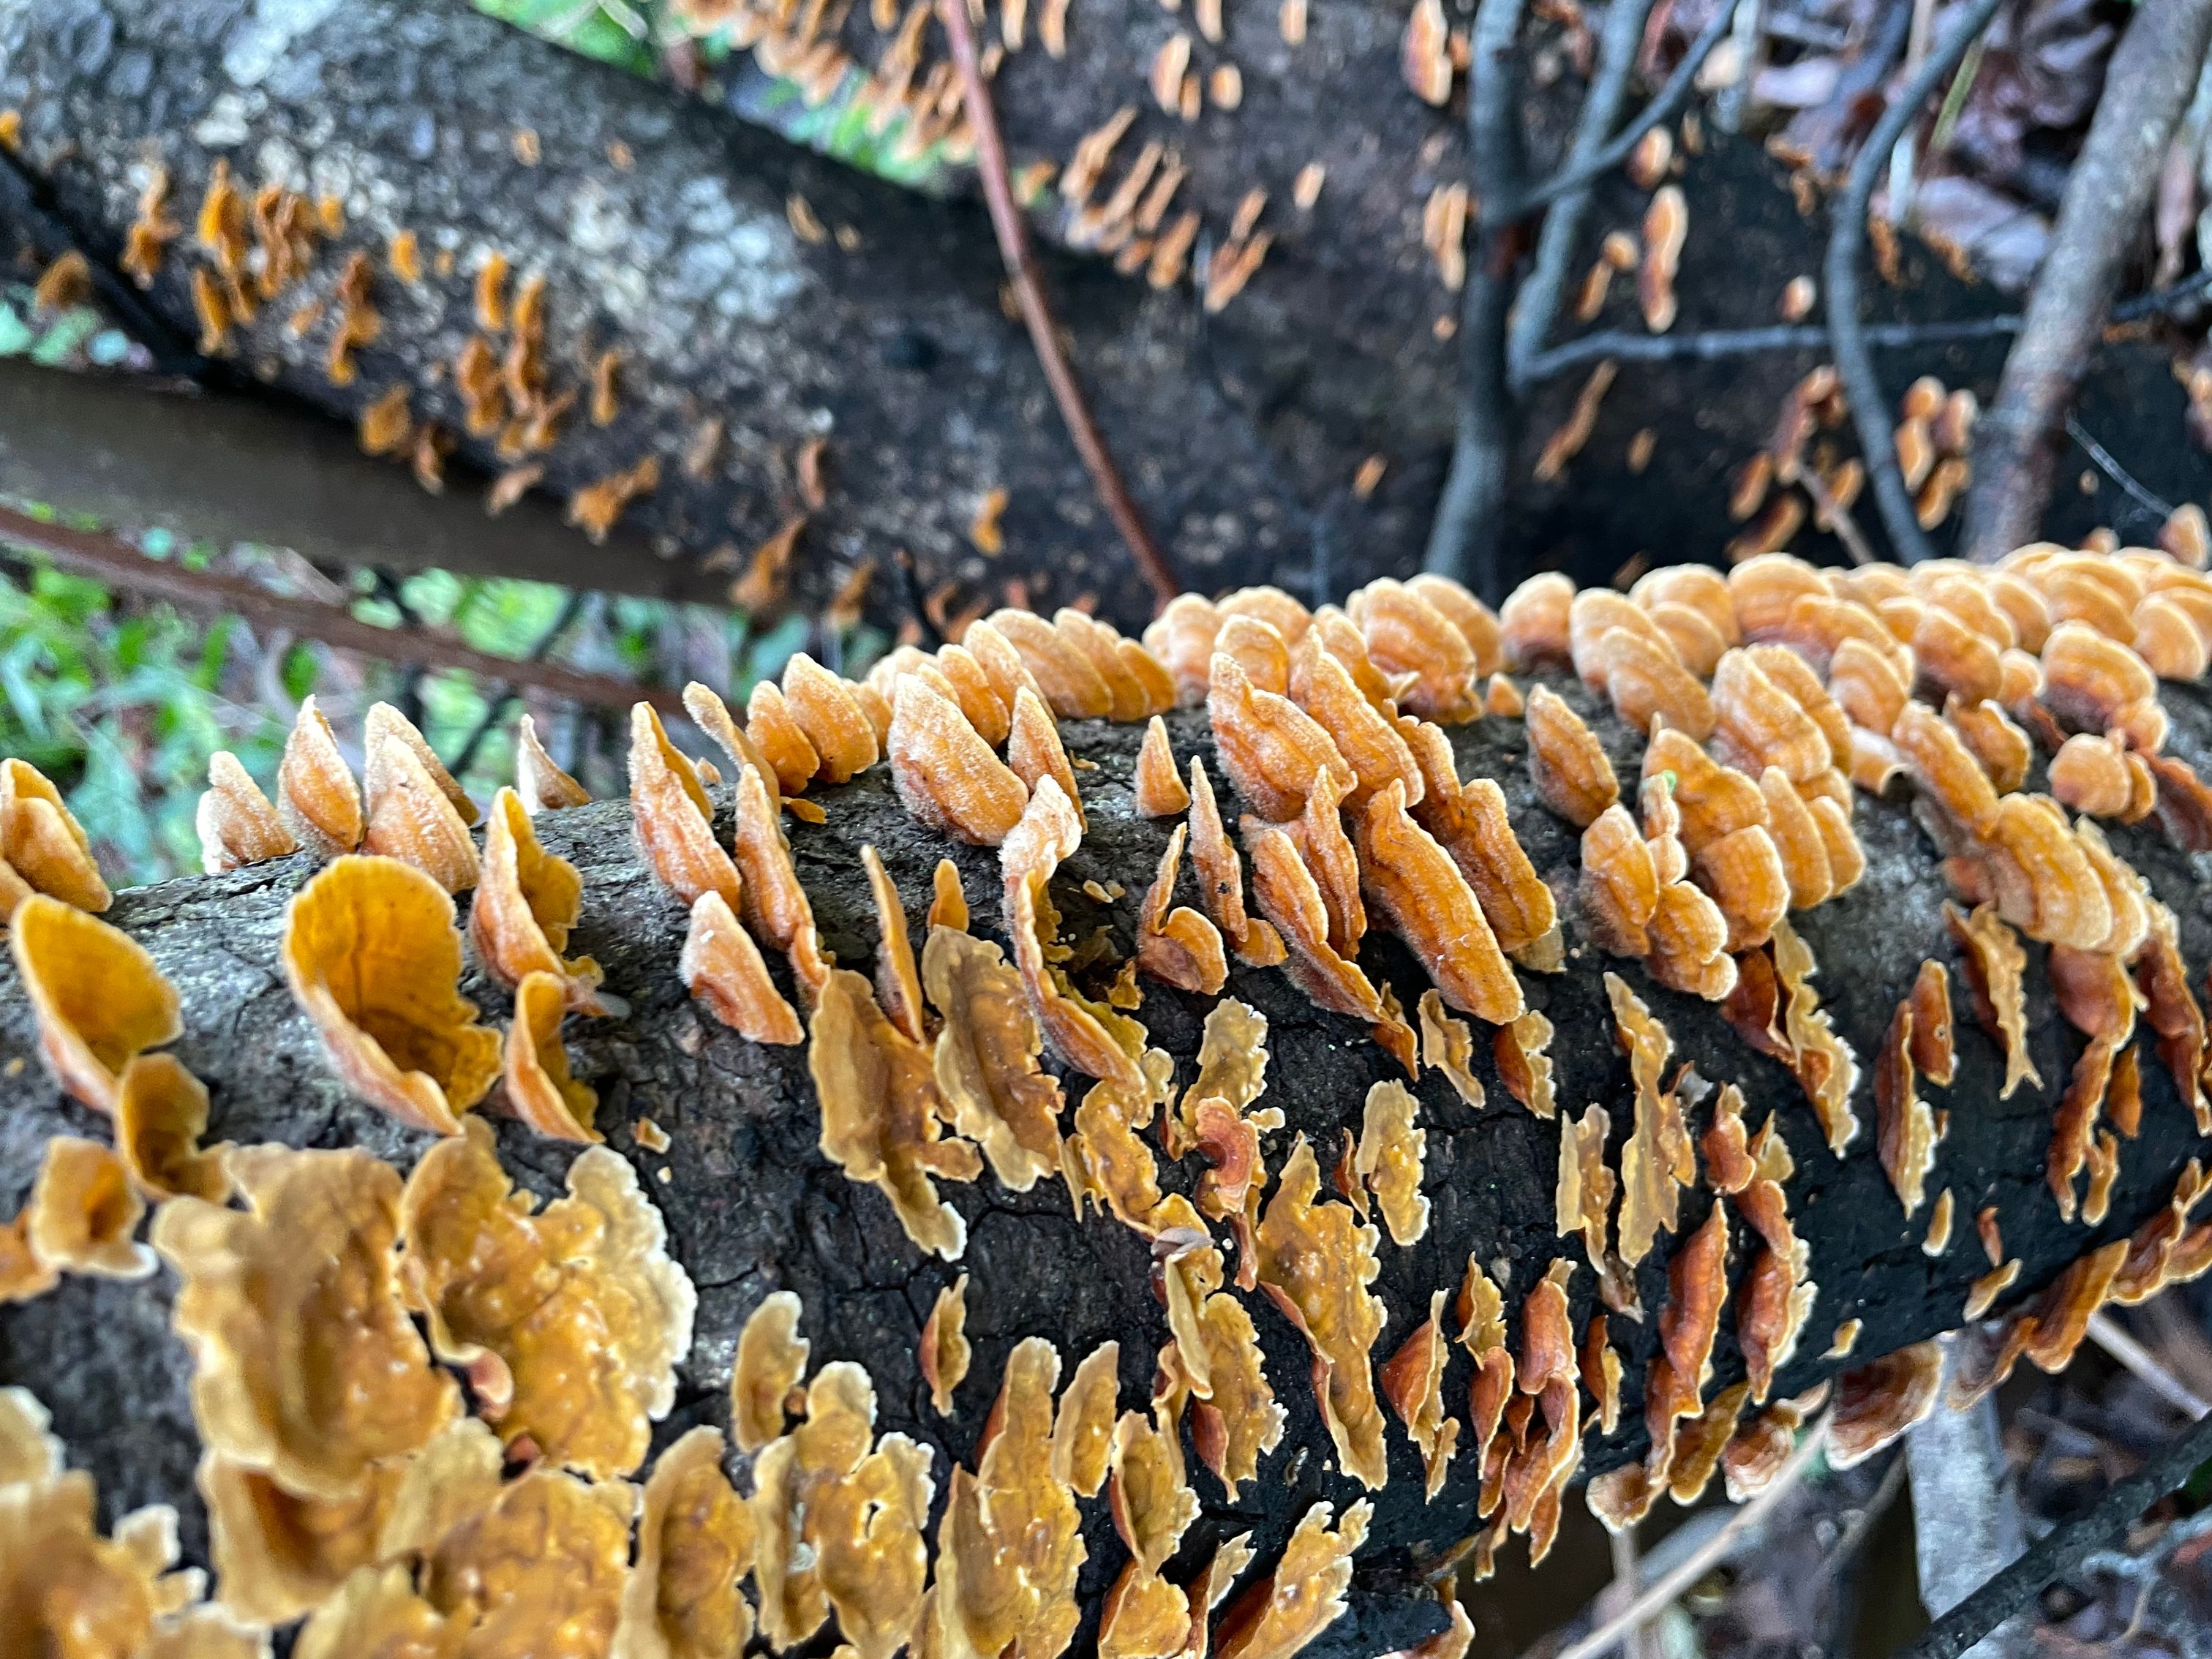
752, 1207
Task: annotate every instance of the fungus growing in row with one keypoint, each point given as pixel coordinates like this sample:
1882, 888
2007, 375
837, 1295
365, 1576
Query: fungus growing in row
1058, 668
1151, 1501
238, 824
1878, 1402
948, 903
1388, 1161
1932, 1052
898, 985
972, 688
1433, 909
1994, 965
775, 906
2093, 775
947, 776
1303, 1597
769, 1363
1368, 744
1034, 749
1318, 835
985, 1061
695, 1542
546, 1562
1776, 1298
539, 1087
1583, 1195
1181, 639
722, 966
1905, 1123
1315, 1262
83, 1212
1083, 1433
1178, 946
1271, 749
409, 816
831, 718
1413, 1382
945, 1351
1220, 874
1431, 647
1158, 791
42, 842
1522, 1051
569, 1320
1448, 1045
1600, 1367
160, 1112
1658, 1160
373, 959
306, 1368
779, 739
1288, 897
1775, 1009
98, 997
674, 818
527, 901
1572, 776
880, 1112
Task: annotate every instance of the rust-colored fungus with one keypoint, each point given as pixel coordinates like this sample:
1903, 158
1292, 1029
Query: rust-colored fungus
1725, 1147
98, 997
1098, 644
1776, 1298
948, 901
1238, 1421
1413, 1382
695, 1542
1362, 733
898, 986
1316, 1261
1010, 1546
1744, 875
1410, 637
1448, 1045
1034, 751
526, 901
972, 689
569, 1320
1092, 1036
1658, 1159
1327, 854
2093, 774
776, 908
1178, 946
1388, 1161
1533, 621
1905, 1123
831, 719
1143, 1617
1571, 773
277, 1555
1435, 911
541, 1570
2103, 1171
1582, 1196
306, 1368
415, 811
1476, 623
1152, 1502
1180, 638
1059, 669
1470, 820
539, 778
879, 1113
946, 775
1701, 1443
1272, 748
539, 1089
1878, 1402
41, 841
985, 1061
779, 738
1158, 791
1083, 1433
722, 966
770, 1362
372, 957
1522, 1051
1933, 1056
1776, 1010
1221, 877
238, 824
1993, 963
1620, 882
1285, 1612
945, 1351
675, 820
160, 1112
1287, 895
83, 1212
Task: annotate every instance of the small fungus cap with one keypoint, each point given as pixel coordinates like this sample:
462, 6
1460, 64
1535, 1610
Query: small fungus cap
99, 999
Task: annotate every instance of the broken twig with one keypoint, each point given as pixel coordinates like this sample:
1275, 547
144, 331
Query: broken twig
1012, 233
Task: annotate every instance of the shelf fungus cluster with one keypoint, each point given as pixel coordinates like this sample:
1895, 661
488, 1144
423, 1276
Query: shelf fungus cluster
478, 1483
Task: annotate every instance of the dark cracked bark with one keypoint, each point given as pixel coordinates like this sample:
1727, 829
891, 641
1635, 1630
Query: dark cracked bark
751, 1205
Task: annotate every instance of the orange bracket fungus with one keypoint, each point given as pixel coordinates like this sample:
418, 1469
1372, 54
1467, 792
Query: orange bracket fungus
946, 774
1877, 1402
160, 1112
1315, 1262
42, 842
1178, 946
1571, 773
1993, 963
1448, 1045
1905, 1124
1413, 1382
722, 966
1083, 1432
1034, 751
569, 1320
546, 1562
526, 901
538, 1086
1389, 1160
538, 779
1271, 749
775, 906
831, 718
985, 1060
1158, 790
414, 811
99, 999
306, 1368
675, 820
695, 1542
945, 1351
372, 957
238, 824
1221, 877
83, 1212
1152, 1502
770, 1363
1303, 1597
880, 1112
1434, 910
1658, 1159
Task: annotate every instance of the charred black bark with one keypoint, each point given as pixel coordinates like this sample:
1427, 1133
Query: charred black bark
751, 1205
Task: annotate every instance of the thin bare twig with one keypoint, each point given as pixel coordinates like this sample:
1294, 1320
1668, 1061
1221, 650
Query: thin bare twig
1854, 364
1537, 306
1832, 515
2109, 464
1668, 99
1463, 540
497, 705
2152, 75
1662, 1591
207, 593
1012, 231
2108, 1334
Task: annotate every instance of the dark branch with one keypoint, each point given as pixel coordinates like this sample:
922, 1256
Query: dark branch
1854, 364
1714, 345
209, 593
1036, 310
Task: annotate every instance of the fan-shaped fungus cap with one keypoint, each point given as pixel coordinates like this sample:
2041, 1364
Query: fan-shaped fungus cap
776, 908
238, 824
542, 1569
2090, 774
2091, 683
1221, 877
1647, 682
1178, 946
411, 815
83, 1212
1096, 643
539, 1089
1180, 638
1448, 1045
1287, 895
42, 842
68, 1590
1533, 621
1389, 1160
1995, 967
538, 779
694, 1542
1516, 903
1759, 724
1413, 1382
1152, 1502
1524, 1062
526, 900
1083, 1433
374, 958
160, 1112
1478, 625
879, 1113
277, 1555
770, 1362
2001, 747
98, 997
1271, 605
985, 1061
1034, 751
675, 821
778, 738
1406, 634
1158, 790
947, 776
945, 1351
1619, 885
1658, 1159
308, 1369
1060, 668
1283, 1614
1316, 1261
317, 798
1877, 1402
722, 966
570, 1319
1435, 911
1744, 874
1904, 1122
1570, 769
1368, 744
1270, 747
832, 721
